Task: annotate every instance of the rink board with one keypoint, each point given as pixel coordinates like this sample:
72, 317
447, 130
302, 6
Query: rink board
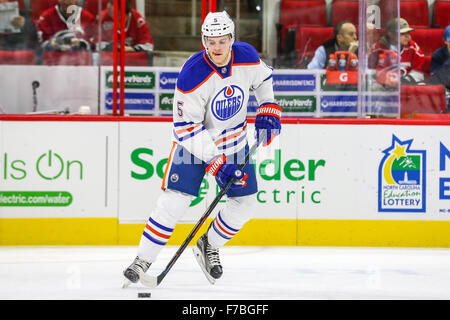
94, 180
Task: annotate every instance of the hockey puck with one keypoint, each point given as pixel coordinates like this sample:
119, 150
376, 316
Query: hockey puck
144, 295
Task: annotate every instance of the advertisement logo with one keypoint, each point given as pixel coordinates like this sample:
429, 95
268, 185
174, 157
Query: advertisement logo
133, 101
339, 103
401, 178
168, 80
133, 80
294, 82
227, 102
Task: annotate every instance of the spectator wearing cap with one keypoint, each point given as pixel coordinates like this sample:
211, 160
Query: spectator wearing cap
345, 39
440, 62
411, 56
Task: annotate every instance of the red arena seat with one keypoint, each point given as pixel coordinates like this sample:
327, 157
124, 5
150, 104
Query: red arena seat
39, 6
344, 10
413, 11
422, 99
441, 13
429, 39
131, 59
426, 68
23, 57
55, 58
303, 13
308, 39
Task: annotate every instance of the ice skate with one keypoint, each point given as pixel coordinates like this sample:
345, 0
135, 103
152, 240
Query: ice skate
132, 273
208, 259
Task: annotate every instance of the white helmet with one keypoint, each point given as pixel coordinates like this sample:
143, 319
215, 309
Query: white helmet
217, 24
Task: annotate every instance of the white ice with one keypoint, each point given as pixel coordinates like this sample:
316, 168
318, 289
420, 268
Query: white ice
269, 273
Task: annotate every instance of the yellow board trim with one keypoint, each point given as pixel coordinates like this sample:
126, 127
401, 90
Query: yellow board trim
257, 232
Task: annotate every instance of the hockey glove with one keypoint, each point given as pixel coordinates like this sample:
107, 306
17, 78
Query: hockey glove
268, 117
225, 171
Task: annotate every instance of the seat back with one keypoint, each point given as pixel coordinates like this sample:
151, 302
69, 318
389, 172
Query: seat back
442, 13
308, 39
39, 6
429, 39
413, 11
140, 58
422, 99
55, 58
19, 57
342, 10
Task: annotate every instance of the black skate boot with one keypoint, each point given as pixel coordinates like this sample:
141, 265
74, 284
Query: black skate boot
208, 259
132, 272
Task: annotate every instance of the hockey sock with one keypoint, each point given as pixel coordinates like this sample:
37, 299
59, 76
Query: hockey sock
170, 207
230, 220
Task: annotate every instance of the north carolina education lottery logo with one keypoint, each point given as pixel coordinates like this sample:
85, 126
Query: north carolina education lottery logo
401, 178
227, 102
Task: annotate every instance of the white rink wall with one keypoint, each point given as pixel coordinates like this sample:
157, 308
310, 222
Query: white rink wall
318, 171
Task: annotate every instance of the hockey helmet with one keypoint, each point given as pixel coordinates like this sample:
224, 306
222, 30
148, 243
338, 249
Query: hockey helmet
217, 24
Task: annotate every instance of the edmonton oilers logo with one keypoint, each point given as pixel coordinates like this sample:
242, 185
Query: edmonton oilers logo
227, 102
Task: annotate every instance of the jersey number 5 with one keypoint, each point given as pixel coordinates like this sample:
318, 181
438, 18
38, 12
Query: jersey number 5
180, 108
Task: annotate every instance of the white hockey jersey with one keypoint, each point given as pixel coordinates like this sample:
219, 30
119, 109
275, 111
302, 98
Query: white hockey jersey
210, 103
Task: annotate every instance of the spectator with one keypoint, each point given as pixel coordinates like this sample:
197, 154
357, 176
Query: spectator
440, 62
411, 56
345, 39
25, 39
137, 33
66, 27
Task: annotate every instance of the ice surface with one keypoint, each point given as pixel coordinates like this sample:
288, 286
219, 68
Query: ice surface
257, 273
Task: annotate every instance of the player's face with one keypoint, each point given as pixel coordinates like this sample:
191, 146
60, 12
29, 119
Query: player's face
404, 38
219, 48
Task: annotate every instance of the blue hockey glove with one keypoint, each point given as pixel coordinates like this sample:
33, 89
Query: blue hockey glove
225, 171
268, 117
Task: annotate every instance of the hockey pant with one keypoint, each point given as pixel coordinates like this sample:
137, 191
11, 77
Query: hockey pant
171, 207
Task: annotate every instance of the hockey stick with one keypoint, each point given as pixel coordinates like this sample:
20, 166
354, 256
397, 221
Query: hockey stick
153, 281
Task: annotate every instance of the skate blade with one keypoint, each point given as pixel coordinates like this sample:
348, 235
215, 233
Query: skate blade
126, 283
199, 257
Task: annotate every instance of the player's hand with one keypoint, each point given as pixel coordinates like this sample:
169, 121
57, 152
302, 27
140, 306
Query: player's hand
225, 171
268, 118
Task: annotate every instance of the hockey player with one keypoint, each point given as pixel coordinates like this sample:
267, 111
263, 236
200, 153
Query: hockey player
210, 135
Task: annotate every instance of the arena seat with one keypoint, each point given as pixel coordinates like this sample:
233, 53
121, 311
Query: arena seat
426, 68
308, 39
55, 58
414, 11
422, 99
140, 58
441, 13
39, 6
20, 57
428, 39
344, 10
92, 6
303, 13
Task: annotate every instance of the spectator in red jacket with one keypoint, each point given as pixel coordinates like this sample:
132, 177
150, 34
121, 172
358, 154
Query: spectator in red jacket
66, 27
137, 33
411, 56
